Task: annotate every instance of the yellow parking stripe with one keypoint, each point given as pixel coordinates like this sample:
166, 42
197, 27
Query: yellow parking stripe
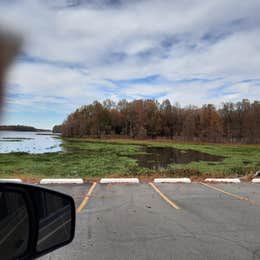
164, 197
86, 198
231, 194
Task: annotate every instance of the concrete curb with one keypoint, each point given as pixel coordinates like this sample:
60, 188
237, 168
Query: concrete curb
172, 180
132, 180
119, 180
11, 180
62, 181
227, 180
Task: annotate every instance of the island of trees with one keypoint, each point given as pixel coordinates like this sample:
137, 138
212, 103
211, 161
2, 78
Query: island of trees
17, 128
232, 122
22, 128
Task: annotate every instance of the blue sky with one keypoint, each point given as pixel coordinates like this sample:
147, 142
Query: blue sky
190, 52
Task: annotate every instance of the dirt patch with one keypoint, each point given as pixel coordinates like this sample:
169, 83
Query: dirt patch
25, 178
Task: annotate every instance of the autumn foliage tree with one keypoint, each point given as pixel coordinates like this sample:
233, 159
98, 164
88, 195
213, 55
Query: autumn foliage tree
232, 122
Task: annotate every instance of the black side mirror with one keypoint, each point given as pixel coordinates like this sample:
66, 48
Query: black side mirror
34, 220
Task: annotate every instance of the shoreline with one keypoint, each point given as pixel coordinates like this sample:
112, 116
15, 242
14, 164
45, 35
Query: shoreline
95, 158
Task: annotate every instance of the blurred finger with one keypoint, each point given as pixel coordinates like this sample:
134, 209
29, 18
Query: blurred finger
9, 47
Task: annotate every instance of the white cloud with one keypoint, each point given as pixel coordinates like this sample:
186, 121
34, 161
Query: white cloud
88, 45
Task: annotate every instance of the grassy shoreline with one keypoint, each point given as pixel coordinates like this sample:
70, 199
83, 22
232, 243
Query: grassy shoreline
91, 158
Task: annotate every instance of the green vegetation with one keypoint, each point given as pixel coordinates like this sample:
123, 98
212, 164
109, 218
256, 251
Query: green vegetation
98, 158
239, 160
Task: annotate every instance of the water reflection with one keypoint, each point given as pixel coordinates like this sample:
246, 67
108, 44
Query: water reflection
14, 225
55, 220
160, 157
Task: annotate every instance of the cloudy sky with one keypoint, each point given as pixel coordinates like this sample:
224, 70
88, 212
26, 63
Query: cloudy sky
78, 51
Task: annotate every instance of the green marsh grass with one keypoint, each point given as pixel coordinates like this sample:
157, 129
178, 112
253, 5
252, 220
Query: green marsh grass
89, 158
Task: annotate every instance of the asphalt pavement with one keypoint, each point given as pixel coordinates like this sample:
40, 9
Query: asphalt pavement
135, 221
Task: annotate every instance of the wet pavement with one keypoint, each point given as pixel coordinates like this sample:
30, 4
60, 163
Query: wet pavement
134, 221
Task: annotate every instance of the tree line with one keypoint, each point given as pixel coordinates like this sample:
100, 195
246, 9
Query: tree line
23, 128
140, 119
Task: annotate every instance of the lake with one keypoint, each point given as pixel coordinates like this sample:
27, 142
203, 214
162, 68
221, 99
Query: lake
29, 142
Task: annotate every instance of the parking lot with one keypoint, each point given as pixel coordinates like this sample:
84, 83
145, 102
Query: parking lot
164, 221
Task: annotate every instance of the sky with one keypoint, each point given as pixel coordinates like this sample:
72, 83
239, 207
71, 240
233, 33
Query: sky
77, 51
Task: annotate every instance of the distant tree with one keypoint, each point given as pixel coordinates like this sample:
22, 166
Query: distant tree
190, 126
17, 128
211, 127
57, 129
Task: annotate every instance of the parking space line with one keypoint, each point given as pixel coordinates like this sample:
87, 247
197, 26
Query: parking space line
231, 194
86, 198
164, 197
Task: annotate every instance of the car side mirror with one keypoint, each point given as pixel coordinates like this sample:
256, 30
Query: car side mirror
34, 220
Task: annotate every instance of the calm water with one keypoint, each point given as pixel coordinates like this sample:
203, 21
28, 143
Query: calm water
29, 142
160, 157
